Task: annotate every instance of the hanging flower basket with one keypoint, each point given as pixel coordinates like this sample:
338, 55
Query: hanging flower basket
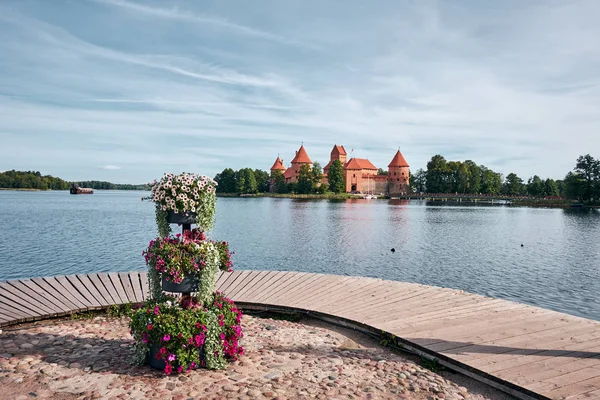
187, 285
181, 218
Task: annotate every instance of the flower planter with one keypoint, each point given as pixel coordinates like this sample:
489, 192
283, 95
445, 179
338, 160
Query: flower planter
189, 284
155, 363
181, 218
151, 359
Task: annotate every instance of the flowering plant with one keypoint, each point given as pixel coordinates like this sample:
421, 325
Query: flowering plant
185, 193
185, 334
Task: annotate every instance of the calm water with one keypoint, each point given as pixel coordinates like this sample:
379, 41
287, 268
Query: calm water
477, 249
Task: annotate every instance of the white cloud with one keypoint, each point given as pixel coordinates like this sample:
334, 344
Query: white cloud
509, 86
111, 167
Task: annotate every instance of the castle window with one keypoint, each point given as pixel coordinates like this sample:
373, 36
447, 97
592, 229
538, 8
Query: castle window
398, 179
394, 174
354, 175
403, 174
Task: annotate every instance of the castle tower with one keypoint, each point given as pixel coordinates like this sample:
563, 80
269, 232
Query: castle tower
301, 158
278, 166
338, 153
399, 174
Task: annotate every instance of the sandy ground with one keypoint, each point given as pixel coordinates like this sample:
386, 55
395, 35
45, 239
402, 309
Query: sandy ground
85, 359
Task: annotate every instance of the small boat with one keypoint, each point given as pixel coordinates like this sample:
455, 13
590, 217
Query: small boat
79, 190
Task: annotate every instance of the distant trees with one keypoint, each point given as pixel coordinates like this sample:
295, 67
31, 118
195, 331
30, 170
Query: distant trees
243, 181
335, 177
444, 176
583, 183
381, 171
31, 180
513, 185
418, 181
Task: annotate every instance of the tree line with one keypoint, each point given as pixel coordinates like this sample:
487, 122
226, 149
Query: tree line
31, 180
442, 176
35, 180
310, 180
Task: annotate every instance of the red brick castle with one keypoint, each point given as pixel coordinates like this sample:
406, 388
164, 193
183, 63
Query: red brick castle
360, 173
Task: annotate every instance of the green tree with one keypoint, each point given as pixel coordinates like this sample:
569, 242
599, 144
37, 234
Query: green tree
335, 177
574, 186
588, 169
226, 181
305, 182
491, 182
535, 186
418, 181
278, 180
513, 185
381, 171
437, 174
551, 188
246, 181
262, 180
474, 185
317, 177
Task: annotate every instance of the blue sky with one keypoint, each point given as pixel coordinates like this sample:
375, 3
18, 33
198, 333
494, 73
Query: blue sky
125, 90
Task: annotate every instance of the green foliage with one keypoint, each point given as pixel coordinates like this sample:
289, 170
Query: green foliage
162, 222
103, 185
226, 181
262, 180
245, 181
305, 181
437, 175
31, 180
513, 185
120, 310
381, 171
418, 181
588, 169
279, 182
432, 364
336, 178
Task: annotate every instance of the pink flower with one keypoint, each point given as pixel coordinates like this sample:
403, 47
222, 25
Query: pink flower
168, 369
156, 310
167, 337
171, 357
149, 327
180, 369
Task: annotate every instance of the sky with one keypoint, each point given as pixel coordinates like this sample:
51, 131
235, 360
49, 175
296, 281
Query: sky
124, 90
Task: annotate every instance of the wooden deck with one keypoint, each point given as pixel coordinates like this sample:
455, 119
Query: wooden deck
527, 351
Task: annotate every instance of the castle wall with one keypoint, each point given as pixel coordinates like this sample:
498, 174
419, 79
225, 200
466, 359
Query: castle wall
376, 184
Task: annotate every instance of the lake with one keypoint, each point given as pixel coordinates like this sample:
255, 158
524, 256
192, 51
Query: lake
473, 248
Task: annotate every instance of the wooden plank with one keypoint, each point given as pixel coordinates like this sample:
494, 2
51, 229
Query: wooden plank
79, 290
100, 285
224, 279
110, 288
290, 297
284, 279
265, 283
19, 290
580, 386
50, 298
239, 283
15, 311
126, 283
134, 277
69, 293
145, 287
91, 283
247, 294
118, 285
241, 288
231, 281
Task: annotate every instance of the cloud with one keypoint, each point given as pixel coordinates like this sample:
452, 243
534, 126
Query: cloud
156, 89
111, 167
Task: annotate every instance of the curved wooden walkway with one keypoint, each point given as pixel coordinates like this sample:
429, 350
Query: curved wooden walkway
527, 351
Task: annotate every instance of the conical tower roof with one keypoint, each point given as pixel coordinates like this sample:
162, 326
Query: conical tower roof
301, 156
398, 161
278, 164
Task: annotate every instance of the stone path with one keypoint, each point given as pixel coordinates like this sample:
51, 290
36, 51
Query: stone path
87, 359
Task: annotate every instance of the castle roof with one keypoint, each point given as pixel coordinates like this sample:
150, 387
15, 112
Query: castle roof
289, 173
398, 161
278, 165
339, 150
301, 157
359, 163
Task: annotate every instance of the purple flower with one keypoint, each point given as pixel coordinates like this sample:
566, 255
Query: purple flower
166, 338
171, 357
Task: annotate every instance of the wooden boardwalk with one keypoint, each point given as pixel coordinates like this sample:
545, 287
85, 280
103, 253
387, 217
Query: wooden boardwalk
527, 351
